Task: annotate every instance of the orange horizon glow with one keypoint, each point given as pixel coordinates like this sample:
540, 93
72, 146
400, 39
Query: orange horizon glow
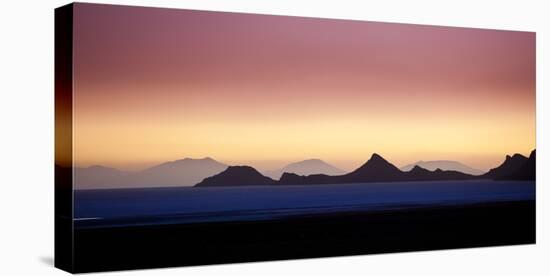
155, 85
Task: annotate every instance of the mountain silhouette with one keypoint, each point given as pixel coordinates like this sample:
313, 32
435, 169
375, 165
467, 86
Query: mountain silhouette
182, 172
306, 167
421, 174
236, 176
527, 171
209, 172
510, 165
376, 169
100, 177
445, 165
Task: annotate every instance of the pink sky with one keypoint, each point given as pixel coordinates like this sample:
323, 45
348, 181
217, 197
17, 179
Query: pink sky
161, 84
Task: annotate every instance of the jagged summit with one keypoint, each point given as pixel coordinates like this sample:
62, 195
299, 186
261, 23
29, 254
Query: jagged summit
376, 156
510, 165
377, 167
515, 156
526, 171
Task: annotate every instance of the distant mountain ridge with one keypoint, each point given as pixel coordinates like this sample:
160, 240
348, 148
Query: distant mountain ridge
207, 172
182, 172
445, 165
378, 169
99, 177
306, 167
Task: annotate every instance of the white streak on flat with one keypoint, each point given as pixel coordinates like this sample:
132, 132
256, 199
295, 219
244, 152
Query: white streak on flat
86, 218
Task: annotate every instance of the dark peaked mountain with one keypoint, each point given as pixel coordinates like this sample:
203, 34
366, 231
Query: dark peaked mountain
236, 176
445, 165
527, 171
510, 165
306, 167
376, 169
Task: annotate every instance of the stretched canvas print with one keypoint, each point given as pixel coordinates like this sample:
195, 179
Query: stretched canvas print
190, 137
